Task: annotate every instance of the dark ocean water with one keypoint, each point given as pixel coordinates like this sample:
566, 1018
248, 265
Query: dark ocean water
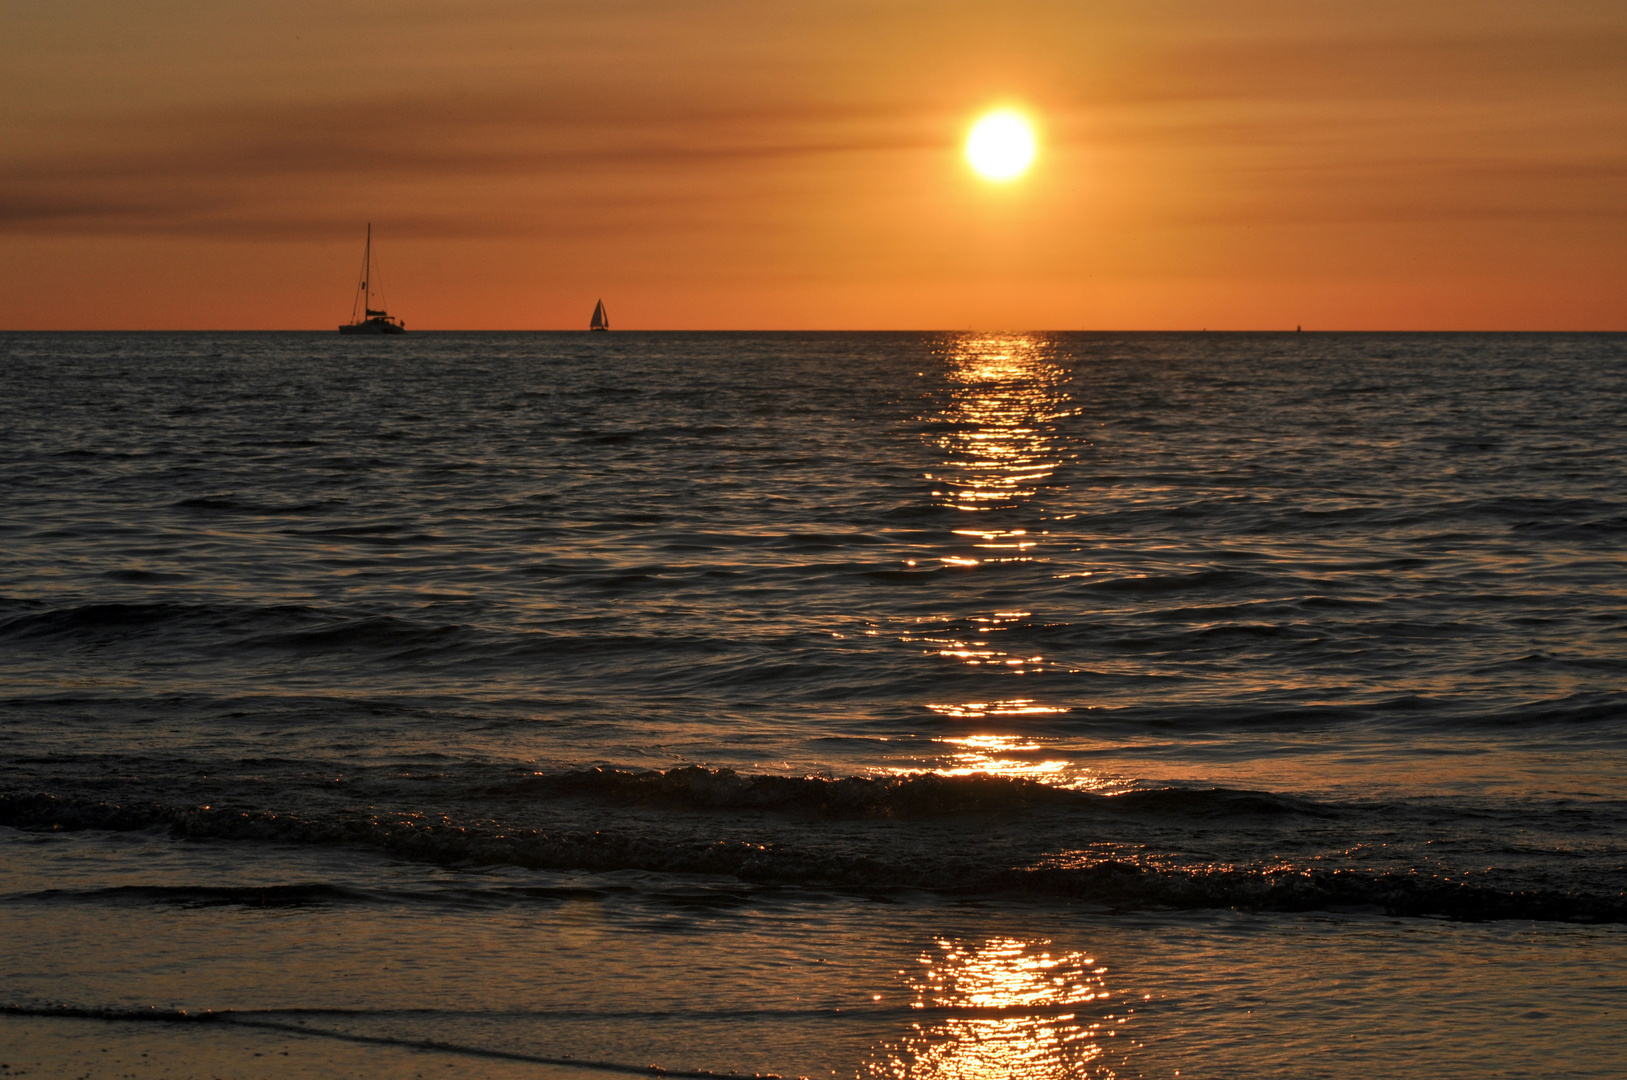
1172, 630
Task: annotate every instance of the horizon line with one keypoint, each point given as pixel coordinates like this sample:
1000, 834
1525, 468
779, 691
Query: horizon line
806, 330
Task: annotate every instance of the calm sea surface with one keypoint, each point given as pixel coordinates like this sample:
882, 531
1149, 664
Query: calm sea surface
881, 705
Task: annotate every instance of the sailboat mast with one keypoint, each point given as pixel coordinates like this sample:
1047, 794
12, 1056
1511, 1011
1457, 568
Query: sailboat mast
367, 272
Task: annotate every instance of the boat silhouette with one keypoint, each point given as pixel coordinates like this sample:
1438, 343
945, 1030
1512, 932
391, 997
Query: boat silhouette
364, 318
601, 321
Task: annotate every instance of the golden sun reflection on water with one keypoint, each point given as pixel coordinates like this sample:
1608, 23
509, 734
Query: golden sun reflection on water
1016, 757
974, 648
1007, 1008
999, 437
994, 755
1005, 394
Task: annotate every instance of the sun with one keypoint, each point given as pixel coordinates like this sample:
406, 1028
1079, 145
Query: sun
1001, 145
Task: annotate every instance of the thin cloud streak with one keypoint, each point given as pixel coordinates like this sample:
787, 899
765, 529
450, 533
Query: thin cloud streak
185, 171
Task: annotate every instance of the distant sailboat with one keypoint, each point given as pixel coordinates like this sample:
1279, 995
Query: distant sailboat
601, 321
363, 318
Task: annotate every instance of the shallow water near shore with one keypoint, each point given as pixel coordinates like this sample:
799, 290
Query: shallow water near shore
836, 704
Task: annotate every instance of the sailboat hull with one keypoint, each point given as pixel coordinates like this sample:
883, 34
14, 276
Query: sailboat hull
373, 326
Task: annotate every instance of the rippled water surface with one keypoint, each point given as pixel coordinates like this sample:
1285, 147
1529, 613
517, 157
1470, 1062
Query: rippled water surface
810, 642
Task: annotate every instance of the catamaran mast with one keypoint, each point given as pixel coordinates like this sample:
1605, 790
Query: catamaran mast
366, 319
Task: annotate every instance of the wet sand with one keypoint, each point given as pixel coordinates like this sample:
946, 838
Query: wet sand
49, 1049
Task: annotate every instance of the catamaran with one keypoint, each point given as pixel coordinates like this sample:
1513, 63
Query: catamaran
364, 319
601, 321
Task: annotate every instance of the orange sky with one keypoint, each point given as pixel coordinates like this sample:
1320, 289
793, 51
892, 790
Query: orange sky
1219, 164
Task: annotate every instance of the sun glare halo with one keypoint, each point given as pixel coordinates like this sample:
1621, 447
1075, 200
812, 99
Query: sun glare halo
1000, 145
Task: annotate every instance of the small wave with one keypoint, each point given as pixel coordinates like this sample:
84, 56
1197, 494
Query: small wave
1202, 580
150, 1013
903, 577
286, 626
911, 795
105, 623
1213, 638
649, 847
227, 504
263, 896
555, 642
379, 632
1215, 802
914, 795
142, 577
1127, 886
269, 1022
1583, 708
1609, 529
97, 620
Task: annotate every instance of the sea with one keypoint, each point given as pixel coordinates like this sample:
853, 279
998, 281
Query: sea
862, 705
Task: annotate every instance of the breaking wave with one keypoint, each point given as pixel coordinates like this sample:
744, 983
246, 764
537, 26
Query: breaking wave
662, 843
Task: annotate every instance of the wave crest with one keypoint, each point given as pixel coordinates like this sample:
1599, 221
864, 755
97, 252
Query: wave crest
644, 846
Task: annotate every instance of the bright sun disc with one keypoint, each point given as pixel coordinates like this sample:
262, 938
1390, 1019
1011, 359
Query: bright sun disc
1000, 146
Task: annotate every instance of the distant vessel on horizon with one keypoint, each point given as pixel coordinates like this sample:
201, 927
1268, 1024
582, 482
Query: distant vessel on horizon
363, 318
601, 321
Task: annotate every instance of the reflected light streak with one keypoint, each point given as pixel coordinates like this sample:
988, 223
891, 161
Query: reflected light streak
1004, 395
991, 755
1008, 757
1007, 1008
977, 710
975, 652
998, 755
1000, 444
